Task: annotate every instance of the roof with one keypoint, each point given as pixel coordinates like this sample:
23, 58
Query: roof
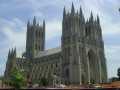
48, 52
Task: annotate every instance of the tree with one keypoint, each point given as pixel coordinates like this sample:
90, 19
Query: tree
1, 80
44, 81
1, 77
92, 81
118, 73
17, 78
113, 79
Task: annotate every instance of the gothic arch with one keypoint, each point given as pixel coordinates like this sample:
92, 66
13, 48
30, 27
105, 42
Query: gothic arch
67, 72
83, 79
93, 66
67, 75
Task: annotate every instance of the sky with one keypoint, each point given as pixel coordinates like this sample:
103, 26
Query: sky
14, 15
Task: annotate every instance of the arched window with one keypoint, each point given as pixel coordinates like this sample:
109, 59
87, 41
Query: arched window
83, 79
36, 33
93, 66
67, 73
86, 32
36, 46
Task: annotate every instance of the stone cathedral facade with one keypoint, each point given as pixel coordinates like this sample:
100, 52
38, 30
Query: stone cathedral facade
79, 60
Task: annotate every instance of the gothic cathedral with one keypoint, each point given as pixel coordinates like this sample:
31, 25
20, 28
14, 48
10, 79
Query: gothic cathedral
79, 60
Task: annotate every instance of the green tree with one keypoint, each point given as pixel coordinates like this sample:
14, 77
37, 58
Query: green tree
92, 81
113, 79
1, 77
1, 80
44, 81
118, 73
17, 78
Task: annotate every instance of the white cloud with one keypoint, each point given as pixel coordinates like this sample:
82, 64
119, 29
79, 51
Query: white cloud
111, 29
113, 60
53, 28
15, 35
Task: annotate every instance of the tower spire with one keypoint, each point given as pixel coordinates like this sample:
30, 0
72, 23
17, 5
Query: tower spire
15, 51
98, 20
72, 9
9, 53
44, 24
28, 24
34, 21
81, 15
64, 12
12, 51
91, 17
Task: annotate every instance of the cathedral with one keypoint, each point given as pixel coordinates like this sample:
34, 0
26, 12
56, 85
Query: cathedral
79, 60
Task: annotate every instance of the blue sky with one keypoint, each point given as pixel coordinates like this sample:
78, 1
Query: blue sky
15, 14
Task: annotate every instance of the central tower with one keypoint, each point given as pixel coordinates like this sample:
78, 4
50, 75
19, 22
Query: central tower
35, 38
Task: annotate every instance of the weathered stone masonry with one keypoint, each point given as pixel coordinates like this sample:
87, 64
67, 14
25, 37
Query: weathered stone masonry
79, 60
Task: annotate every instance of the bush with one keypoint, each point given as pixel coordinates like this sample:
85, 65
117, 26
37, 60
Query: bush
43, 81
17, 78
